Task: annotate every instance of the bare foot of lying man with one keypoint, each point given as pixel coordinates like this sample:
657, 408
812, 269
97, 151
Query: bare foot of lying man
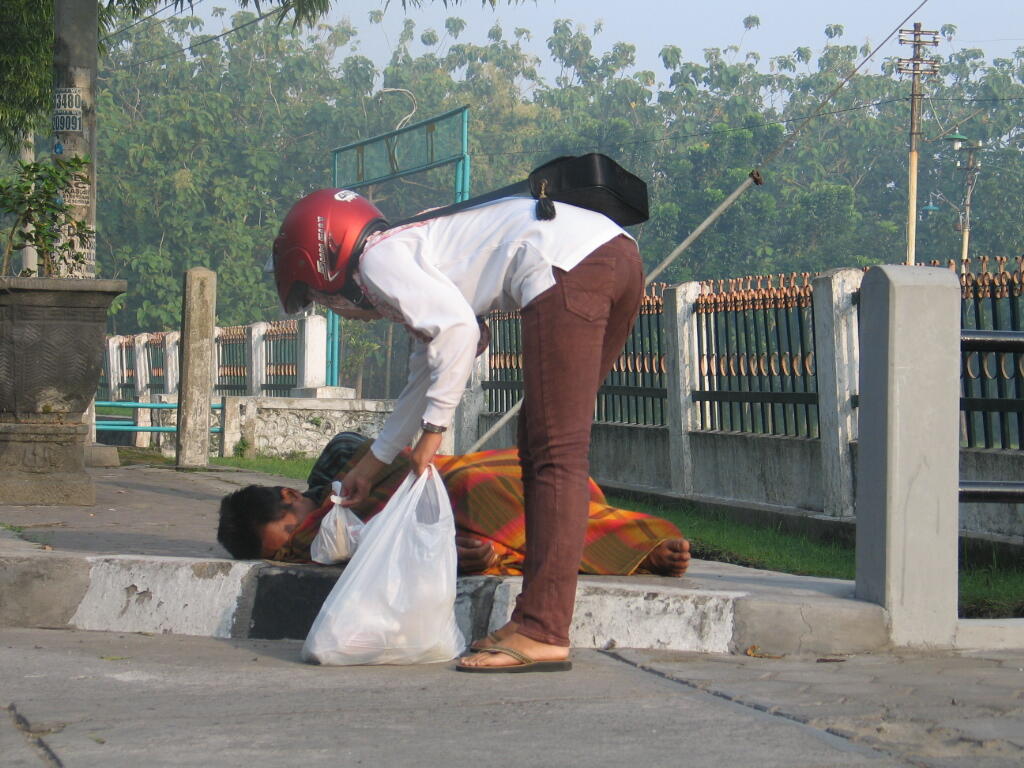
670, 558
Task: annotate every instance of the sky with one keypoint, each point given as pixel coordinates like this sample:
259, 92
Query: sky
995, 26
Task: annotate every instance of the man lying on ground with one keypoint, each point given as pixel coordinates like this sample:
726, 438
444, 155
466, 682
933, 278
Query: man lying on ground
486, 492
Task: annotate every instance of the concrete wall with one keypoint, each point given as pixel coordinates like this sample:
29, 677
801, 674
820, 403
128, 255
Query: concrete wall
282, 426
783, 471
997, 519
750, 472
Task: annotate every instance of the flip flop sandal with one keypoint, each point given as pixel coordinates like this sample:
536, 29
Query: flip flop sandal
526, 664
491, 637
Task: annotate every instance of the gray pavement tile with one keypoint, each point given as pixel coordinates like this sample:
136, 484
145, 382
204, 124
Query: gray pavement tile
1009, 729
132, 700
903, 703
15, 747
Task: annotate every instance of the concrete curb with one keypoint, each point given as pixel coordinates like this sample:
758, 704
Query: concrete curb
256, 599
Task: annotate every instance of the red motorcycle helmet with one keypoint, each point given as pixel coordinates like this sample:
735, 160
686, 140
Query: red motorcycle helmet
318, 244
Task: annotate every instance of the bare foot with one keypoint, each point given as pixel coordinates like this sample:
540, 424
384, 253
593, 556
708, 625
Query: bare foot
535, 650
670, 558
497, 637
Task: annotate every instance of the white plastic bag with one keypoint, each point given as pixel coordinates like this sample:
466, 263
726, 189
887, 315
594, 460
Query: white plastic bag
338, 537
395, 600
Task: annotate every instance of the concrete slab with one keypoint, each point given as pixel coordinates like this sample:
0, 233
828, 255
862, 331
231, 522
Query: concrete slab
931, 708
17, 744
129, 700
145, 559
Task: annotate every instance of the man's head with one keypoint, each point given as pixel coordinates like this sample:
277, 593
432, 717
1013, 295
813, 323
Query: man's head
258, 520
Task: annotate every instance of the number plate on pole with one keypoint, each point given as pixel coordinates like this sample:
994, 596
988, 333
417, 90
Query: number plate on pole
67, 110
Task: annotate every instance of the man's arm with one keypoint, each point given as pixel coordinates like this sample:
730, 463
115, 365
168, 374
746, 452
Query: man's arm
338, 452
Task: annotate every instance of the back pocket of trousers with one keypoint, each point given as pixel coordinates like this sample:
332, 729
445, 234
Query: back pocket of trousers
587, 288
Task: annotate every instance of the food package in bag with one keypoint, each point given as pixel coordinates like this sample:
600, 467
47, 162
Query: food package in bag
338, 537
395, 600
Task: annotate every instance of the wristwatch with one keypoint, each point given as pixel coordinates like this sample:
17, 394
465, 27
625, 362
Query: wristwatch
426, 426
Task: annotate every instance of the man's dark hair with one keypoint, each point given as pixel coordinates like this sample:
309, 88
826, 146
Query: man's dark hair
242, 517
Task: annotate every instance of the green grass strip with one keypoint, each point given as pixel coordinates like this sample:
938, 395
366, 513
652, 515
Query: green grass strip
988, 592
713, 536
295, 468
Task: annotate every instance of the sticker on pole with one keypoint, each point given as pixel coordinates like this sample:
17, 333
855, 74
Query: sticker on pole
67, 110
78, 194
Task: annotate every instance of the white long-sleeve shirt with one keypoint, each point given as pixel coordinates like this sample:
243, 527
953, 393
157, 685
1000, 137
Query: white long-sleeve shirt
441, 274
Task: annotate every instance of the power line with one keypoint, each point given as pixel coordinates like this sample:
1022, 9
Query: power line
192, 47
135, 23
765, 124
972, 100
719, 131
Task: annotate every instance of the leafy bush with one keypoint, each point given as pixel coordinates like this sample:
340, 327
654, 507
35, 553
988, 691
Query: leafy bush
36, 215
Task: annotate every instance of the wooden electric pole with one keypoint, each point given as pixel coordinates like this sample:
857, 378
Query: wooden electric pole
916, 66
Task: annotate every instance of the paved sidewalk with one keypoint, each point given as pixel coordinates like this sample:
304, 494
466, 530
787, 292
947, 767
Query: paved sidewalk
144, 562
104, 699
145, 558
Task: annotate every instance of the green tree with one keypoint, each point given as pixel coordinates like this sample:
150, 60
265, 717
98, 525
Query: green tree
205, 152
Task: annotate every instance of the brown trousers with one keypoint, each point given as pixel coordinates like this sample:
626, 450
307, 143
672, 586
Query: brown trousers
572, 335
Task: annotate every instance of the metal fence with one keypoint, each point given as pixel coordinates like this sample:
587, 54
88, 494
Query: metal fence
281, 349
756, 361
126, 353
156, 359
992, 383
232, 361
633, 393
103, 388
755, 348
636, 390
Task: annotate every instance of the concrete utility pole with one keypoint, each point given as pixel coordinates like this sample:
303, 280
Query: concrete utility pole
971, 166
75, 57
915, 66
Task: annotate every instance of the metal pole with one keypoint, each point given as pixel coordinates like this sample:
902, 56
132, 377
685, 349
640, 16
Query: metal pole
711, 219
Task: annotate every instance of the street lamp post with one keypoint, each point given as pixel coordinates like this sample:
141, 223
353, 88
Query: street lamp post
971, 166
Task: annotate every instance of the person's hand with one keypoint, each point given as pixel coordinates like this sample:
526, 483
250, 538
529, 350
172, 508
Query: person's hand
358, 483
423, 452
474, 556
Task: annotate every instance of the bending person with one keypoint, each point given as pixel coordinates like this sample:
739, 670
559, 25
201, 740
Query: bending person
576, 278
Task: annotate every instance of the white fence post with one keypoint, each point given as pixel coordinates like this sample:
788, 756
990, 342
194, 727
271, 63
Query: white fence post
172, 361
215, 366
908, 453
836, 360
115, 370
312, 368
256, 371
142, 416
681, 356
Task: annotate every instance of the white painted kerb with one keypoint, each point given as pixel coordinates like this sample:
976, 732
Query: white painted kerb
162, 594
619, 615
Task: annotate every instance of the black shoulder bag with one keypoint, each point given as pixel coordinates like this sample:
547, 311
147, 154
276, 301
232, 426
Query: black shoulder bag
592, 181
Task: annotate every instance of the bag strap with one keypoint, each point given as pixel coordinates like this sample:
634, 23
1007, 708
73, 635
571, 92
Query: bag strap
519, 189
